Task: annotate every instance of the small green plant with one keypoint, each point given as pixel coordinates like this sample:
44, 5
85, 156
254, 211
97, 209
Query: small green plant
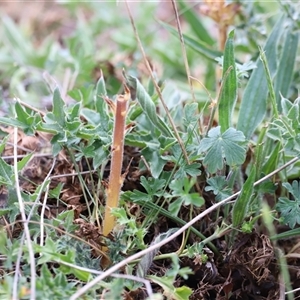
162, 191
289, 209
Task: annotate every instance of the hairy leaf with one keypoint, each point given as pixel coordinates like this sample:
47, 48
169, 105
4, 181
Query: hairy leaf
229, 90
254, 101
290, 209
222, 146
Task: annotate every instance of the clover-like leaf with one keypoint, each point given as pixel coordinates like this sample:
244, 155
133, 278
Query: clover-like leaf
290, 209
222, 146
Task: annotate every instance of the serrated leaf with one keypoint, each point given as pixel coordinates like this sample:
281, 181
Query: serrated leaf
181, 188
240, 207
6, 173
222, 146
152, 185
229, 89
290, 209
218, 185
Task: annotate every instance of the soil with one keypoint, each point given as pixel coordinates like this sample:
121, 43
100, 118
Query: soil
245, 265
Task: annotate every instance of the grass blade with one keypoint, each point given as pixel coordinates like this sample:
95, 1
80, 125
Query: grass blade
286, 66
254, 102
198, 46
229, 91
241, 204
270, 83
194, 21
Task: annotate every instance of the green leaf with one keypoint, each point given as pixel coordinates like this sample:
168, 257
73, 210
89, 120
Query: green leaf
218, 185
3, 142
100, 104
229, 89
15, 38
181, 190
12, 122
115, 289
286, 65
153, 186
22, 163
240, 207
148, 105
290, 209
198, 46
287, 234
22, 114
170, 291
222, 146
58, 108
4, 211
152, 155
272, 161
194, 21
81, 275
101, 88
254, 101
6, 173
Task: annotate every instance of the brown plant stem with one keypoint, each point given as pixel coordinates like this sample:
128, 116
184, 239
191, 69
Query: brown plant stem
115, 177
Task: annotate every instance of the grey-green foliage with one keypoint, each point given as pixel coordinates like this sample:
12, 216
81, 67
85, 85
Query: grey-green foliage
254, 101
286, 65
222, 148
228, 94
241, 205
290, 208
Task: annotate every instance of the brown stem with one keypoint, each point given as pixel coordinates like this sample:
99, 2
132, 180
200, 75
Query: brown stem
115, 177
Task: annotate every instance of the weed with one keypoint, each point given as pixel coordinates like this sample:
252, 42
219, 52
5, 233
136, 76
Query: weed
178, 188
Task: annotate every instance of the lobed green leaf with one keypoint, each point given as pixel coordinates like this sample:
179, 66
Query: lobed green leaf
222, 146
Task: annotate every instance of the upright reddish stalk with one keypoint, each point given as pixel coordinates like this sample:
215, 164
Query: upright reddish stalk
115, 177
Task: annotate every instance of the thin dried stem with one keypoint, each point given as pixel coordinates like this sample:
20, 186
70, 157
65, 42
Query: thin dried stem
186, 63
45, 182
128, 260
24, 219
115, 176
157, 88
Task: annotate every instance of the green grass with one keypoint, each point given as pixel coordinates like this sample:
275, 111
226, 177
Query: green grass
210, 161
